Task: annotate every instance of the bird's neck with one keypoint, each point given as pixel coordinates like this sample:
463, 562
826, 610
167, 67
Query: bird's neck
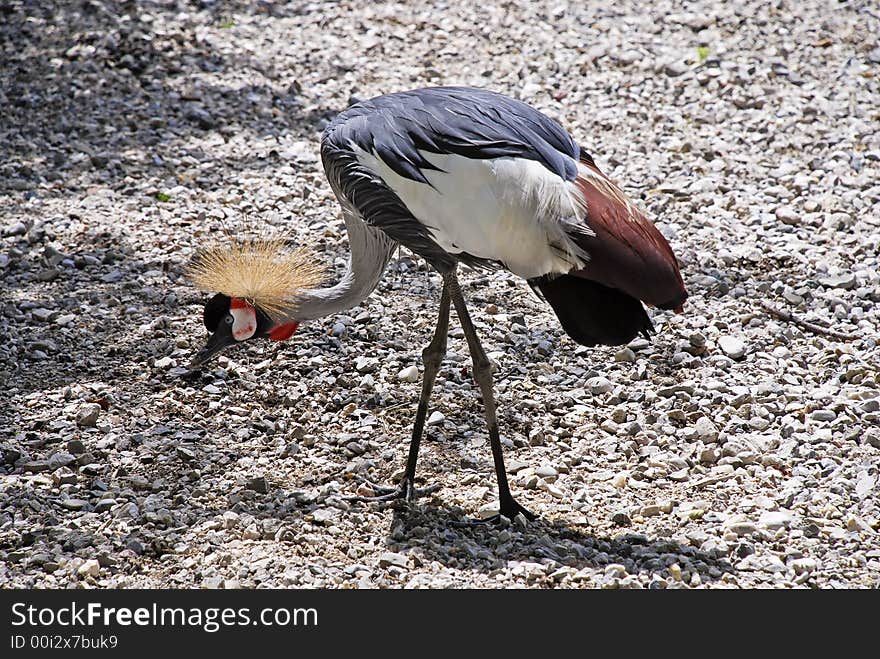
371, 249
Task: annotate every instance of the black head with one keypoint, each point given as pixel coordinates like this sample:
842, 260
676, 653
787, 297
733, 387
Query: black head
215, 310
232, 320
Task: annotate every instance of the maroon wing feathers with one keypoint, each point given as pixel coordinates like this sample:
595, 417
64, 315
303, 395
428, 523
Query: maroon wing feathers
627, 251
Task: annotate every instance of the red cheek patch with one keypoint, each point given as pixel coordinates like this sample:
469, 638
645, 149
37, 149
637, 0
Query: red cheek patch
283, 332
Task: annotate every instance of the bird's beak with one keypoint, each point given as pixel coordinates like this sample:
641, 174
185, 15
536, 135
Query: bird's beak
218, 341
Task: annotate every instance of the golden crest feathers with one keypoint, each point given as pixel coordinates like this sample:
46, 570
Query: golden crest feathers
262, 271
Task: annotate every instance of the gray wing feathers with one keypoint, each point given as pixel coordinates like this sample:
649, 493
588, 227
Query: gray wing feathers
474, 123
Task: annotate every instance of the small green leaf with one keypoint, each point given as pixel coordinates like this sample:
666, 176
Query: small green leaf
225, 25
163, 196
702, 53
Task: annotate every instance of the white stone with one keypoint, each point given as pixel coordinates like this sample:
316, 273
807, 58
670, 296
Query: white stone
409, 374
625, 355
547, 472
788, 215
740, 525
619, 480
706, 430
88, 414
864, 484
599, 385
732, 346
366, 364
390, 558
774, 520
844, 281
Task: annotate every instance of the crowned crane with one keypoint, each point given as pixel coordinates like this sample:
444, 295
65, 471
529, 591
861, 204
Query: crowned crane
457, 175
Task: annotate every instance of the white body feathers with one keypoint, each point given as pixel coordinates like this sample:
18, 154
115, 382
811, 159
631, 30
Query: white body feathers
512, 210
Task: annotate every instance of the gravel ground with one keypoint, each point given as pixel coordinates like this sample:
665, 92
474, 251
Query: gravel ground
739, 448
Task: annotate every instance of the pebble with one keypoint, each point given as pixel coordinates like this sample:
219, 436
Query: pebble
671, 390
774, 520
620, 480
804, 565
43, 315
324, 515
625, 355
709, 455
844, 281
113, 277
536, 437
788, 215
621, 519
15, 229
389, 559
61, 459
76, 446
200, 117
436, 418
212, 583
74, 504
64, 476
599, 385
409, 374
554, 491
547, 472
855, 524
186, 454
865, 484
759, 423
135, 546
706, 430
675, 69
87, 415
740, 525
104, 505
89, 568
732, 347
258, 484
366, 364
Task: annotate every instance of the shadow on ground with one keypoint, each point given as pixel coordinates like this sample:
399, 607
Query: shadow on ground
547, 541
96, 87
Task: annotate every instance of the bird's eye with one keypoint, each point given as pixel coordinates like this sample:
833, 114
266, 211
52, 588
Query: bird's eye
229, 319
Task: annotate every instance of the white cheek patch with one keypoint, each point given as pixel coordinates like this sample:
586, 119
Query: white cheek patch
244, 323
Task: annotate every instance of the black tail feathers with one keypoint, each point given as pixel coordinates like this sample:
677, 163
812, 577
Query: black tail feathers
592, 313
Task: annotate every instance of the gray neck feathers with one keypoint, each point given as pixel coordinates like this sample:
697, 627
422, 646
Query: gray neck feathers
371, 249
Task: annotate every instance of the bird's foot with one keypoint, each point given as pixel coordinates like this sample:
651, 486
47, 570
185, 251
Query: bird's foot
405, 491
509, 510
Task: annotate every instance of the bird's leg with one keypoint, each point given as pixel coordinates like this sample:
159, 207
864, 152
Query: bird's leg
483, 377
432, 357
